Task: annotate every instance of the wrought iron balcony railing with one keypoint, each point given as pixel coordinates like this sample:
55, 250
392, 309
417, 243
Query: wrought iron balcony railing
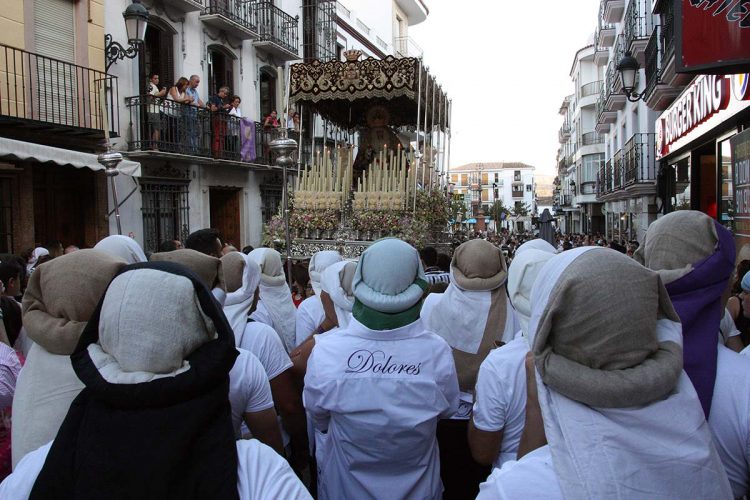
591, 138
590, 89
617, 171
276, 26
237, 11
35, 88
638, 159
165, 126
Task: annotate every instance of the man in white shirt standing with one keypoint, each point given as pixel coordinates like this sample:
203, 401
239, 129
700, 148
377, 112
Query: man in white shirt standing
154, 108
377, 388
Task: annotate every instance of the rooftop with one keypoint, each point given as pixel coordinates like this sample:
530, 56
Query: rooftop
499, 165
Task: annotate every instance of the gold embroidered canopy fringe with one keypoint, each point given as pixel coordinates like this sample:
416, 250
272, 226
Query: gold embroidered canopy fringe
343, 91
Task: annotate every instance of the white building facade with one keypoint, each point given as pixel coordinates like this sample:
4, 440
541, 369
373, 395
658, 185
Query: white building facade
481, 185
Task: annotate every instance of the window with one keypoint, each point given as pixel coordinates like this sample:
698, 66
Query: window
517, 175
529, 188
497, 176
464, 180
454, 178
485, 178
591, 166
165, 213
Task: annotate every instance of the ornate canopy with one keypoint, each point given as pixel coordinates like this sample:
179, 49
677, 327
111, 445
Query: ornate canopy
345, 91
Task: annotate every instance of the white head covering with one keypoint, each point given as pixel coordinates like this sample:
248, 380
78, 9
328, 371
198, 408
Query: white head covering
536, 244
659, 449
38, 252
123, 247
137, 351
336, 281
521, 277
276, 295
319, 262
238, 303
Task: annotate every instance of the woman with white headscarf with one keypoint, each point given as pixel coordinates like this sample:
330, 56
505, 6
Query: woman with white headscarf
500, 394
470, 316
619, 417
378, 387
310, 313
58, 302
153, 418
123, 247
275, 307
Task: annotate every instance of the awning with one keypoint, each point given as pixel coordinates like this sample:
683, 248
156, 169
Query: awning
29, 151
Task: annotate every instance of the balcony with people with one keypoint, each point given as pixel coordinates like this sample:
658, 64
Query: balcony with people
278, 30
236, 17
168, 128
53, 102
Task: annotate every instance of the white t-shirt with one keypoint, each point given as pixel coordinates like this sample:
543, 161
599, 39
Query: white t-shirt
727, 328
500, 396
261, 474
533, 476
310, 315
378, 396
729, 419
262, 340
249, 390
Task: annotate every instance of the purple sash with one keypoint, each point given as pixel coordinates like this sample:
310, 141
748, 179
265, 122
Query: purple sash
697, 299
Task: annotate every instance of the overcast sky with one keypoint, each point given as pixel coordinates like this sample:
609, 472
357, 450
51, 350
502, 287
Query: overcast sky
506, 66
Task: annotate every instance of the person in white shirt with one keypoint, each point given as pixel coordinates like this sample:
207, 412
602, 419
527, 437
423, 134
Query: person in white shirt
470, 316
500, 395
242, 275
695, 257
377, 388
610, 412
275, 308
154, 108
310, 313
153, 417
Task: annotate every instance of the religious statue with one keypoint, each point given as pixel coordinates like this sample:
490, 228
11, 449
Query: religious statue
377, 137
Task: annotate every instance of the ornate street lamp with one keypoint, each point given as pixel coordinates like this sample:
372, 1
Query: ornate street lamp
284, 148
628, 68
136, 20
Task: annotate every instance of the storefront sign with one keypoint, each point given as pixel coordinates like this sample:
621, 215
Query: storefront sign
740, 146
713, 36
704, 104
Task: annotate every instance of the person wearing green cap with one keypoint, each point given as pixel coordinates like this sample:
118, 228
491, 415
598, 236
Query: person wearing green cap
376, 389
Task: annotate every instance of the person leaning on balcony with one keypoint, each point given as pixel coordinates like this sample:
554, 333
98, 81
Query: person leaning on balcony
176, 119
233, 138
193, 122
271, 121
154, 108
219, 108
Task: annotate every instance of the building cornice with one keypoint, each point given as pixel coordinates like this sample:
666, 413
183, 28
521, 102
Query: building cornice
341, 22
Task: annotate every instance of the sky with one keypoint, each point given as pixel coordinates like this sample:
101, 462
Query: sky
506, 65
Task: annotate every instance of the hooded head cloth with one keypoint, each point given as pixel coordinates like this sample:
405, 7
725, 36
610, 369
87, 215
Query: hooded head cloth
275, 294
153, 418
336, 281
319, 262
60, 299
388, 285
38, 252
471, 314
207, 268
243, 277
621, 418
122, 247
695, 257
521, 277
536, 244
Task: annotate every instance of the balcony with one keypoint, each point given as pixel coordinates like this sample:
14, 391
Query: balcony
618, 174
591, 139
51, 101
279, 31
639, 164
591, 89
404, 46
166, 129
612, 10
663, 85
233, 16
604, 180
565, 104
564, 133
615, 99
639, 24
566, 200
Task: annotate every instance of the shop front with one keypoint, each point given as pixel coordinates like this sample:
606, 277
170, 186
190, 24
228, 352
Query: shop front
693, 147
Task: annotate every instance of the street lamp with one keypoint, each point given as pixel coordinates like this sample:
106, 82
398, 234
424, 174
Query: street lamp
628, 68
136, 20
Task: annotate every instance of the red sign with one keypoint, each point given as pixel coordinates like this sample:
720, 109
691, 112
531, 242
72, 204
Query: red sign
713, 36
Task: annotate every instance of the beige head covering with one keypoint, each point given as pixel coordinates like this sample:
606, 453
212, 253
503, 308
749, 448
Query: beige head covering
61, 296
207, 268
275, 295
176, 324
677, 241
595, 338
233, 265
470, 315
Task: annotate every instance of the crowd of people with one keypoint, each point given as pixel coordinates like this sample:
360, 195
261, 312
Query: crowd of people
201, 371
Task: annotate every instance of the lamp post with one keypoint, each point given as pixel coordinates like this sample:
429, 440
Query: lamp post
284, 147
628, 68
136, 20
110, 159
